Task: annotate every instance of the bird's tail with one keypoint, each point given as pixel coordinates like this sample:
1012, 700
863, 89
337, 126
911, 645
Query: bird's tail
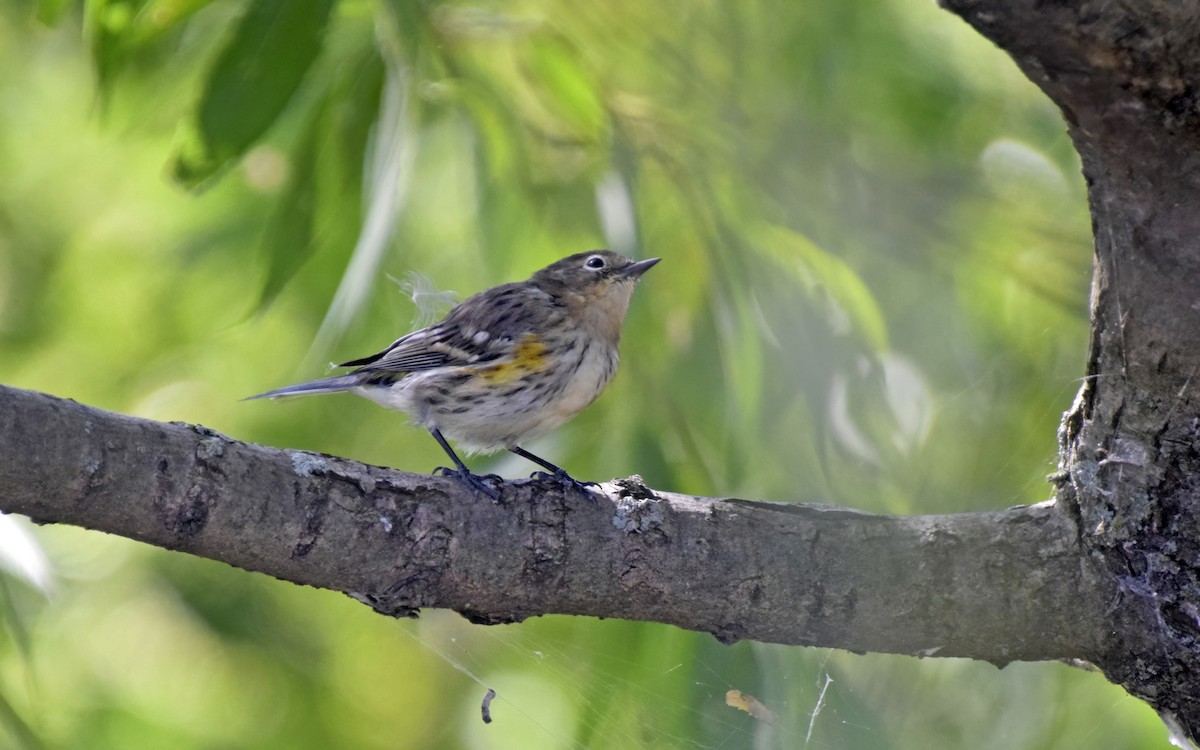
324, 385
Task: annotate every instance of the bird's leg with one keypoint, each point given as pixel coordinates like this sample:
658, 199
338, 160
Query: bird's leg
558, 473
462, 473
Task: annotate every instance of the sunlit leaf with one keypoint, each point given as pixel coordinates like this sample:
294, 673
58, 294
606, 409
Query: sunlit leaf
107, 24
251, 83
852, 306
159, 16
120, 30
50, 12
567, 87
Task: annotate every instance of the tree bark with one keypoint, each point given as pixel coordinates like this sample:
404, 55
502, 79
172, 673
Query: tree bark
1000, 586
1126, 75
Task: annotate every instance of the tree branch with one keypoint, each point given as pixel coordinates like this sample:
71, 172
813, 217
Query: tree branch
1002, 586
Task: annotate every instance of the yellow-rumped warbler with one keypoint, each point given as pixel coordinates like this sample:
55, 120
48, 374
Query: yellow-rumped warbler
505, 365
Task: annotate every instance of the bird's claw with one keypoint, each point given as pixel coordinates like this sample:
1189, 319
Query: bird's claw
587, 489
482, 483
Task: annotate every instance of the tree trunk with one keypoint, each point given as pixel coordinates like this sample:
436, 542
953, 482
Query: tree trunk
1125, 75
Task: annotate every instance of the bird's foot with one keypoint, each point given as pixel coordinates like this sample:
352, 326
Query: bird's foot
590, 490
486, 484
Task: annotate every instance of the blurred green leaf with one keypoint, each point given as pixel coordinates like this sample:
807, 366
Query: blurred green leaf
497, 128
17, 727
566, 87
107, 24
250, 85
15, 622
159, 16
288, 238
120, 30
50, 12
326, 163
851, 304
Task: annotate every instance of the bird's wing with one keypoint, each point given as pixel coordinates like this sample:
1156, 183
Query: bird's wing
481, 329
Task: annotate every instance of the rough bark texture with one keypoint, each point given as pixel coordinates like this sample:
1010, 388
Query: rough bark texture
998, 586
1126, 76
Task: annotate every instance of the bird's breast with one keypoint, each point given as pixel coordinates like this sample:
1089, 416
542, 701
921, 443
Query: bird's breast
588, 366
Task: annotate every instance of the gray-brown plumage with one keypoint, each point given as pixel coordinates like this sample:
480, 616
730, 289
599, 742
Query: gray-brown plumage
507, 364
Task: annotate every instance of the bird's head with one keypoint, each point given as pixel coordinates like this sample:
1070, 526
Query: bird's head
596, 286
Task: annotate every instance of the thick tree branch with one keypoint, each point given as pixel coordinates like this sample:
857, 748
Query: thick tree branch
999, 586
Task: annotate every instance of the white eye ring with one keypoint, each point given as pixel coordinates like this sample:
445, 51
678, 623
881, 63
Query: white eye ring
594, 263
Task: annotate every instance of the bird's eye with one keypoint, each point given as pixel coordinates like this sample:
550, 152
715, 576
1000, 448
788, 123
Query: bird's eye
595, 263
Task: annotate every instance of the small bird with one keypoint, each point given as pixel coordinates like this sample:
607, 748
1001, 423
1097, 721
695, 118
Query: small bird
506, 365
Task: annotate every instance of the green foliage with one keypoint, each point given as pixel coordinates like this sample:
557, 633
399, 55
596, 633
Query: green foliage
873, 292
254, 78
121, 31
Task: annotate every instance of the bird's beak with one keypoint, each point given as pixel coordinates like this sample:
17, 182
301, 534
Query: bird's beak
635, 270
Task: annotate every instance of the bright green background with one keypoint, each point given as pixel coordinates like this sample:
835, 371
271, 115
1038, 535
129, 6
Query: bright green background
873, 293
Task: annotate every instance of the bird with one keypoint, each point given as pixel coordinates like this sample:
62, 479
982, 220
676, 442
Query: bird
504, 366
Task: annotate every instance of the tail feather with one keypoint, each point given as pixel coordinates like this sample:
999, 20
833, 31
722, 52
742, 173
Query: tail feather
324, 385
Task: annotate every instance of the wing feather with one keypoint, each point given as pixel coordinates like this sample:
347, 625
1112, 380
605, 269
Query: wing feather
479, 330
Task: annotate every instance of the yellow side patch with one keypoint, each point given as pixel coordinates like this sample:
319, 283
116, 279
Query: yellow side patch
529, 356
